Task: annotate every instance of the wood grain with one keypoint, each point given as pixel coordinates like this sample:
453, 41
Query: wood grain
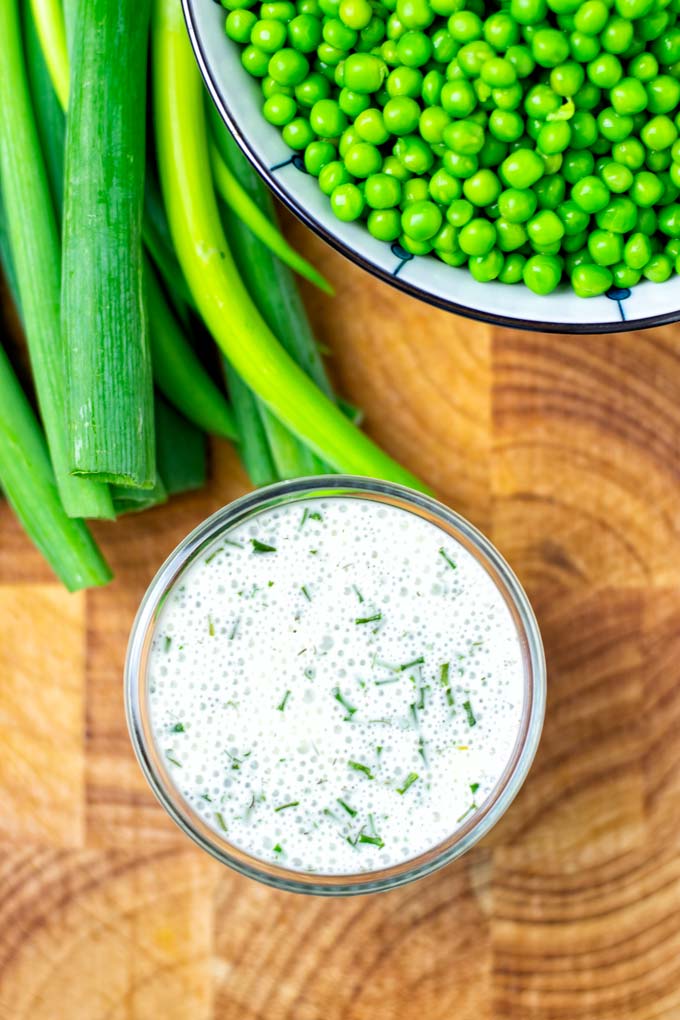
566, 450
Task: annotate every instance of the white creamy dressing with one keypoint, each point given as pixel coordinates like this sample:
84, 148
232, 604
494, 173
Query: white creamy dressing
336, 685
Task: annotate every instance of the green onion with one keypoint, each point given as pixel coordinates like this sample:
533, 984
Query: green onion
48, 112
252, 216
49, 21
35, 256
128, 498
177, 371
27, 479
158, 243
104, 322
180, 450
252, 439
210, 271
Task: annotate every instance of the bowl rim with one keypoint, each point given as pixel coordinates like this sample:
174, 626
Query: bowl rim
398, 282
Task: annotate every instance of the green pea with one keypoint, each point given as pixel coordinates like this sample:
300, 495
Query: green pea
510, 236
613, 126
370, 126
542, 273
506, 125
404, 81
446, 239
431, 89
317, 155
401, 115
477, 237
394, 168
574, 219
574, 242
522, 168
590, 194
624, 276
501, 31
513, 269
382, 191
605, 247
279, 110
460, 212
591, 280
315, 88
298, 133
545, 228
528, 12
549, 47
332, 176
628, 96
465, 26
415, 154
389, 52
659, 160
272, 88
347, 202
444, 188
630, 153
617, 177
553, 137
456, 258
588, 96
482, 188
666, 48
517, 205
433, 123
364, 72
605, 71
647, 189
633, 8
646, 222
619, 216
239, 25
371, 35
498, 72
464, 137
458, 98
669, 220
644, 68
663, 94
278, 10
384, 224
355, 14
521, 59
414, 49
583, 47
256, 61
672, 247
576, 165
541, 102
509, 98
550, 191
493, 152
658, 269
659, 133
484, 268
421, 220
567, 78
363, 159
575, 259
268, 35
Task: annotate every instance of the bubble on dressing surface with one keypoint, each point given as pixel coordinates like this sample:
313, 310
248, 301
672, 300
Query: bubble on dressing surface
366, 702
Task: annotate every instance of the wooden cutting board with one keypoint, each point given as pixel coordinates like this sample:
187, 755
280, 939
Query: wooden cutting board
566, 451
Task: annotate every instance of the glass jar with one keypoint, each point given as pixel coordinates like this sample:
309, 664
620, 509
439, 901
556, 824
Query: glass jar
240, 511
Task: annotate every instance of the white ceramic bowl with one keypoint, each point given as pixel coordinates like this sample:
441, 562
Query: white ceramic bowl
238, 98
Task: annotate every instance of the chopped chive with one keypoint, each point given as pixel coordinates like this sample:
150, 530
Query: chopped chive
421, 750
421, 699
212, 555
350, 810
237, 545
313, 552
292, 803
306, 593
308, 515
442, 553
261, 547
378, 751
178, 727
278, 849
471, 720
413, 709
358, 593
206, 796
168, 755
450, 697
234, 629
337, 694
219, 818
473, 807
281, 707
329, 813
373, 840
416, 662
408, 782
358, 767
211, 627
474, 787
167, 644
368, 619
270, 584
444, 675
371, 822
381, 683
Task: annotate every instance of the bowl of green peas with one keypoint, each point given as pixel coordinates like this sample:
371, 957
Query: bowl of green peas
515, 161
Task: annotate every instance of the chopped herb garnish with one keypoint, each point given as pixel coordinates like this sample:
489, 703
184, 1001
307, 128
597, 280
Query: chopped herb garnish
474, 787
369, 619
237, 762
391, 680
358, 767
234, 629
292, 803
442, 553
421, 750
450, 697
229, 541
329, 813
306, 593
408, 782
350, 709
358, 593
167, 643
261, 547
270, 584
373, 840
471, 720
313, 552
278, 849
350, 810
413, 709
416, 662
169, 756
444, 674
422, 694
308, 515
211, 627
219, 818
473, 807
213, 554
178, 727
282, 704
206, 796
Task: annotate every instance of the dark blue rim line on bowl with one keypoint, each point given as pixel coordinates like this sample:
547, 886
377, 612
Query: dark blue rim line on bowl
617, 295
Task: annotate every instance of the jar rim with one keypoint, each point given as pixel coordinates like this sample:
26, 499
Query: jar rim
255, 503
